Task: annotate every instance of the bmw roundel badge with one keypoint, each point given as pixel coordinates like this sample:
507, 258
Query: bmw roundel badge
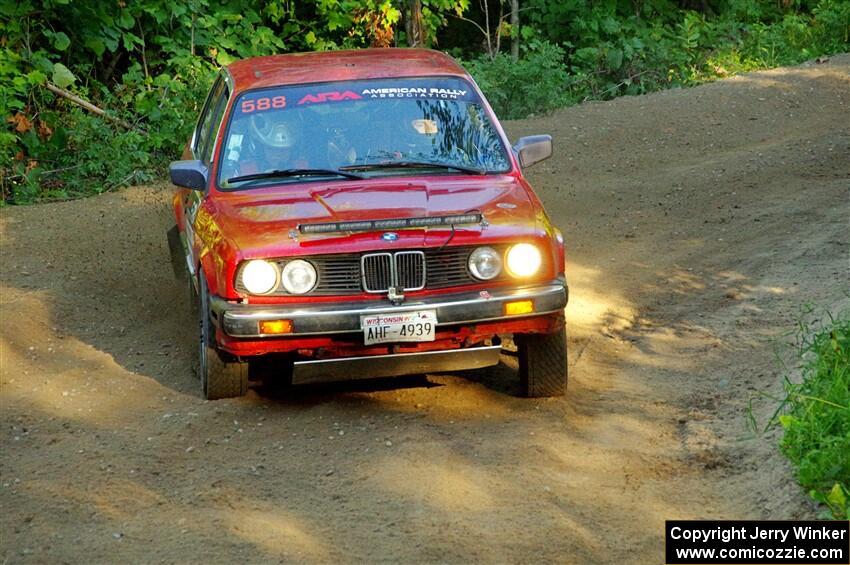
389, 236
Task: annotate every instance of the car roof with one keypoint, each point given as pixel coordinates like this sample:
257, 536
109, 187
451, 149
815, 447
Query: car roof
325, 66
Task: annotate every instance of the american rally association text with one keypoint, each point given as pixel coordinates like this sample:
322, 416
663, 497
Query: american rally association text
755, 532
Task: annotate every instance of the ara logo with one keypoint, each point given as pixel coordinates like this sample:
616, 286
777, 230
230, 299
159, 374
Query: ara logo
389, 236
329, 97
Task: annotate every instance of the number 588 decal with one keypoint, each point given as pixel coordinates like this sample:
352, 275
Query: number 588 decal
261, 104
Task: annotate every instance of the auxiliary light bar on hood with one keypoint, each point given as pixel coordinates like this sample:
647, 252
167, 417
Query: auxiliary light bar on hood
392, 223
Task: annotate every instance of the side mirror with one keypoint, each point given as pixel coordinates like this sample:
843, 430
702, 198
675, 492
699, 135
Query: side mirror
533, 149
189, 174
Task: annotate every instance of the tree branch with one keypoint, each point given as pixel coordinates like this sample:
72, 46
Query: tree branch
473, 22
622, 83
89, 106
144, 59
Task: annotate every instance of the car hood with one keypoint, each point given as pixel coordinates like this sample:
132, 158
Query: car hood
265, 222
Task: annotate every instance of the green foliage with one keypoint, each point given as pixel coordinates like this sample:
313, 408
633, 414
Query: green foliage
435, 12
150, 63
817, 420
534, 84
616, 48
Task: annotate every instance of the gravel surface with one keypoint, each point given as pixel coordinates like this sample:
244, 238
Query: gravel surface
698, 222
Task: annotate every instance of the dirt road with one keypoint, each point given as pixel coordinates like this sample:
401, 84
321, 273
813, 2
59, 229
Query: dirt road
697, 223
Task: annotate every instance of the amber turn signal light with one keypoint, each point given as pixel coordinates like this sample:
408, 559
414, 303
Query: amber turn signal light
276, 326
519, 307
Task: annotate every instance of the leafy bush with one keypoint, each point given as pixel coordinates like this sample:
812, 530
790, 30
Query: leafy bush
797, 37
817, 420
598, 50
147, 62
535, 84
150, 62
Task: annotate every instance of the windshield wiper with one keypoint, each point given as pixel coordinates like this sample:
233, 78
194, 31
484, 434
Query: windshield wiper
284, 173
412, 165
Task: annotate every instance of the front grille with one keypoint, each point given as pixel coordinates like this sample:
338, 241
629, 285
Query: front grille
447, 267
377, 272
348, 274
410, 270
404, 270
337, 274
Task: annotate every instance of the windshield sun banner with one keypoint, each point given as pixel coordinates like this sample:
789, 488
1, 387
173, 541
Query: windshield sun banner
302, 95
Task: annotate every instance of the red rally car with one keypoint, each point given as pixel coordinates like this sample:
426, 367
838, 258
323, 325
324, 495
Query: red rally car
357, 214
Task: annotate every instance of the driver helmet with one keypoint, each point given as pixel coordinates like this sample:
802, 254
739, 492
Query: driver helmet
274, 130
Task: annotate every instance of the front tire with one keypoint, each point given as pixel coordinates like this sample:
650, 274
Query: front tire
222, 376
178, 260
543, 363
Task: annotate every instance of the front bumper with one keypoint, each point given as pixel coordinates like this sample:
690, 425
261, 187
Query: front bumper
242, 320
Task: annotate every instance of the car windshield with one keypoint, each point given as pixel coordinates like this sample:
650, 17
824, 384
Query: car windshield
371, 128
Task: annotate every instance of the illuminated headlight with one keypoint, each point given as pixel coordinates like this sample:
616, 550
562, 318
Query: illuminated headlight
523, 260
259, 277
298, 277
485, 263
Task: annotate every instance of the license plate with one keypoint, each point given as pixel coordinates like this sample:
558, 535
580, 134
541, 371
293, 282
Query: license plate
407, 326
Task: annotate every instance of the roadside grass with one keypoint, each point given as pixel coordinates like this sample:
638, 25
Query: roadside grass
815, 414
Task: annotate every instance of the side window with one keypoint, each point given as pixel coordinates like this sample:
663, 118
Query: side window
203, 131
217, 111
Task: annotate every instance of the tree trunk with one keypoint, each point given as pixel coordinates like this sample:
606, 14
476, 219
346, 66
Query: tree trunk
490, 52
515, 30
413, 24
